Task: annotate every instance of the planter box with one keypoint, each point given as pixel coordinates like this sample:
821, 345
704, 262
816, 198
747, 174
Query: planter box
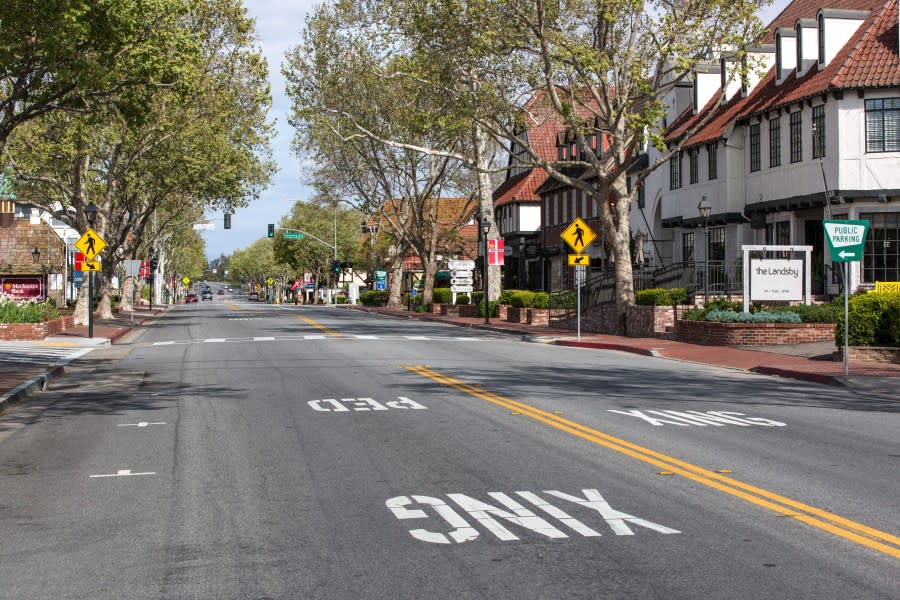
752, 334
503, 311
517, 315
882, 354
449, 310
649, 321
468, 310
539, 316
35, 331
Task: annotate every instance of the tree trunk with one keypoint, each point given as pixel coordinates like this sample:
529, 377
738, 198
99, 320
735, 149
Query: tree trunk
81, 304
486, 200
430, 267
127, 294
104, 310
396, 292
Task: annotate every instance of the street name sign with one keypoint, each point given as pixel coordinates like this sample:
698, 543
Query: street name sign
578, 235
461, 281
291, 235
90, 244
461, 265
846, 239
461, 288
579, 260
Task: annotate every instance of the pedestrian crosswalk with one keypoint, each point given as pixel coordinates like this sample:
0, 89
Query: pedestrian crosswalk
318, 336
37, 353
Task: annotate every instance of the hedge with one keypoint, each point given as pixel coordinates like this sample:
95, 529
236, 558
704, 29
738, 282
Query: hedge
374, 298
564, 299
441, 295
660, 297
873, 320
727, 316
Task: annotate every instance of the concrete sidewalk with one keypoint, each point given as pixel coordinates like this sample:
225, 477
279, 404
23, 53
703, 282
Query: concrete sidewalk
18, 382
795, 362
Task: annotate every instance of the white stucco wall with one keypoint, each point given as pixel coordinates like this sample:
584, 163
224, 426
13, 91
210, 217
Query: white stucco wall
838, 33
857, 169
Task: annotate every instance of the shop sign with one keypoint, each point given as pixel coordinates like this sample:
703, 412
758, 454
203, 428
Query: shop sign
23, 287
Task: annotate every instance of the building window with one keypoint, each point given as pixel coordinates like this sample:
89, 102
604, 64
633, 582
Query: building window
716, 244
783, 233
775, 142
693, 156
881, 254
778, 56
818, 124
641, 198
883, 125
754, 148
796, 137
675, 171
687, 247
799, 31
821, 23
711, 156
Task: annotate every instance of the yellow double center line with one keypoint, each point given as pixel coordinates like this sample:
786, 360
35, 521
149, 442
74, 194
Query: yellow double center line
320, 327
851, 530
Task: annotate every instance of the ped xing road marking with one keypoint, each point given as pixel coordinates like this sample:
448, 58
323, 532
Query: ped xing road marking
320, 327
363, 404
874, 539
697, 418
514, 512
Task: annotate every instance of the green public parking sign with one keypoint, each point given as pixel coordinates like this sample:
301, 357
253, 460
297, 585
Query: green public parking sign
846, 239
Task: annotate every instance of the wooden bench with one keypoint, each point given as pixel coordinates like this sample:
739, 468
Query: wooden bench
887, 286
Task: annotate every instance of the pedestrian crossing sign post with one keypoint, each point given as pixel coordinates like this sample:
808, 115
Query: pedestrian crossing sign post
578, 235
186, 280
90, 244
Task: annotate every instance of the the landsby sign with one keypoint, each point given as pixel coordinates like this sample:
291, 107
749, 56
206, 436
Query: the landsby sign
846, 239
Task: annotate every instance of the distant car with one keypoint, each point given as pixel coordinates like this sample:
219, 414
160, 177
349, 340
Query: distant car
206, 295
192, 297
253, 297
221, 292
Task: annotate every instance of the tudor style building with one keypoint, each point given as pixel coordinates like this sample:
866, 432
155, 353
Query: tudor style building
816, 137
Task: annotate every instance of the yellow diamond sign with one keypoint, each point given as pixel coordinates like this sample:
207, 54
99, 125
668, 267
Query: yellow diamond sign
90, 244
186, 280
578, 235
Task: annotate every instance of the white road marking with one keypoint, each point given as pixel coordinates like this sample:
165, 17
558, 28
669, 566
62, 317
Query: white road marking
363, 405
697, 418
163, 343
263, 339
365, 337
213, 340
313, 337
124, 473
416, 337
141, 424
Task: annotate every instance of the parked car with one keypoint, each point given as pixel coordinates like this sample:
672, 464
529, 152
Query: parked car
253, 297
206, 295
192, 297
221, 292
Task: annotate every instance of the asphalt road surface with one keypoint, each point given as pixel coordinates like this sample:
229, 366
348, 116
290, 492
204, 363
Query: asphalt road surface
246, 451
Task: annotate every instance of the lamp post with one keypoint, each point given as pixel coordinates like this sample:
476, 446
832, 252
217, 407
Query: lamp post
90, 214
485, 228
705, 208
35, 255
371, 229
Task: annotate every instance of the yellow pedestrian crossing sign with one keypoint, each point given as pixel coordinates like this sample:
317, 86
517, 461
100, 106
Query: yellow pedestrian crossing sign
578, 235
269, 280
90, 244
186, 280
579, 260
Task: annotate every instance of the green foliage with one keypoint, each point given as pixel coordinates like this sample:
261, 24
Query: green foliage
522, 299
340, 300
492, 305
13, 311
660, 297
814, 313
477, 297
506, 296
873, 320
462, 298
727, 316
540, 300
421, 308
441, 295
563, 299
374, 298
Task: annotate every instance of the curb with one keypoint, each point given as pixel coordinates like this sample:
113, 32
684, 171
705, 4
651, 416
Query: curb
607, 346
801, 375
38, 383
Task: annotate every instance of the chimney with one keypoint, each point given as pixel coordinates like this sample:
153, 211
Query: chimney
785, 53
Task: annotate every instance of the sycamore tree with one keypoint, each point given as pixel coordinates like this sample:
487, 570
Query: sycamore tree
150, 173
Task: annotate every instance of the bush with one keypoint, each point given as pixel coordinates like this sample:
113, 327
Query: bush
462, 299
660, 297
721, 304
727, 316
522, 299
441, 295
374, 298
814, 313
540, 300
19, 311
506, 296
340, 300
564, 299
493, 308
873, 320
477, 297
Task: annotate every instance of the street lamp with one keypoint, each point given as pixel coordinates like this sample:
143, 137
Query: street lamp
705, 208
90, 215
485, 227
35, 255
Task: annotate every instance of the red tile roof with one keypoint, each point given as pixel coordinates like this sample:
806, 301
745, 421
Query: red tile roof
868, 59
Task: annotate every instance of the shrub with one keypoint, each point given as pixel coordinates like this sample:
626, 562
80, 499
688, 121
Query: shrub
462, 298
719, 304
564, 299
873, 320
441, 295
421, 308
477, 297
493, 308
660, 297
521, 299
506, 296
340, 300
540, 300
26, 311
814, 313
374, 298
727, 316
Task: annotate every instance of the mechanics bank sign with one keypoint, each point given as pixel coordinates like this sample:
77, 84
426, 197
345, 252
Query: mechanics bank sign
776, 279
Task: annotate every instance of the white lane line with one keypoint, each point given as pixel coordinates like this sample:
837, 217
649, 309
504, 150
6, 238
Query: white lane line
141, 424
313, 337
163, 343
365, 337
416, 337
467, 339
263, 339
214, 340
123, 473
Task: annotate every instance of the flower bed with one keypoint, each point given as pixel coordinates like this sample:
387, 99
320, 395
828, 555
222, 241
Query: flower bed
35, 331
752, 334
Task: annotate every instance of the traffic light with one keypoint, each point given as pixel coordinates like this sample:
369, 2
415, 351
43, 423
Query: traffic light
336, 267
228, 221
154, 263
271, 230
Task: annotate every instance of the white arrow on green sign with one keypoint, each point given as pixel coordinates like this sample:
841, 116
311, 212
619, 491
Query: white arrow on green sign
846, 239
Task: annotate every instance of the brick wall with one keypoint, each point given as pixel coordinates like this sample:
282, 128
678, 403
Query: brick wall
35, 331
649, 321
873, 354
752, 334
517, 315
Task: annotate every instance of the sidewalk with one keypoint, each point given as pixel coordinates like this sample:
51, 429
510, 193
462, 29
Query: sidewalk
18, 382
794, 362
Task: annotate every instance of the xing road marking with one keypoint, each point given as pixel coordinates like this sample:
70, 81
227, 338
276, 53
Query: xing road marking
697, 418
875, 539
487, 516
320, 327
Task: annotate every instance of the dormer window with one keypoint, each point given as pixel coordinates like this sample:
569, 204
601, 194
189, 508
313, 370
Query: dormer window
723, 75
821, 25
799, 32
778, 55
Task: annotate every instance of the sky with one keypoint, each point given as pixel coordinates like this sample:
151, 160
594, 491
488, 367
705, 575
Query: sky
278, 26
